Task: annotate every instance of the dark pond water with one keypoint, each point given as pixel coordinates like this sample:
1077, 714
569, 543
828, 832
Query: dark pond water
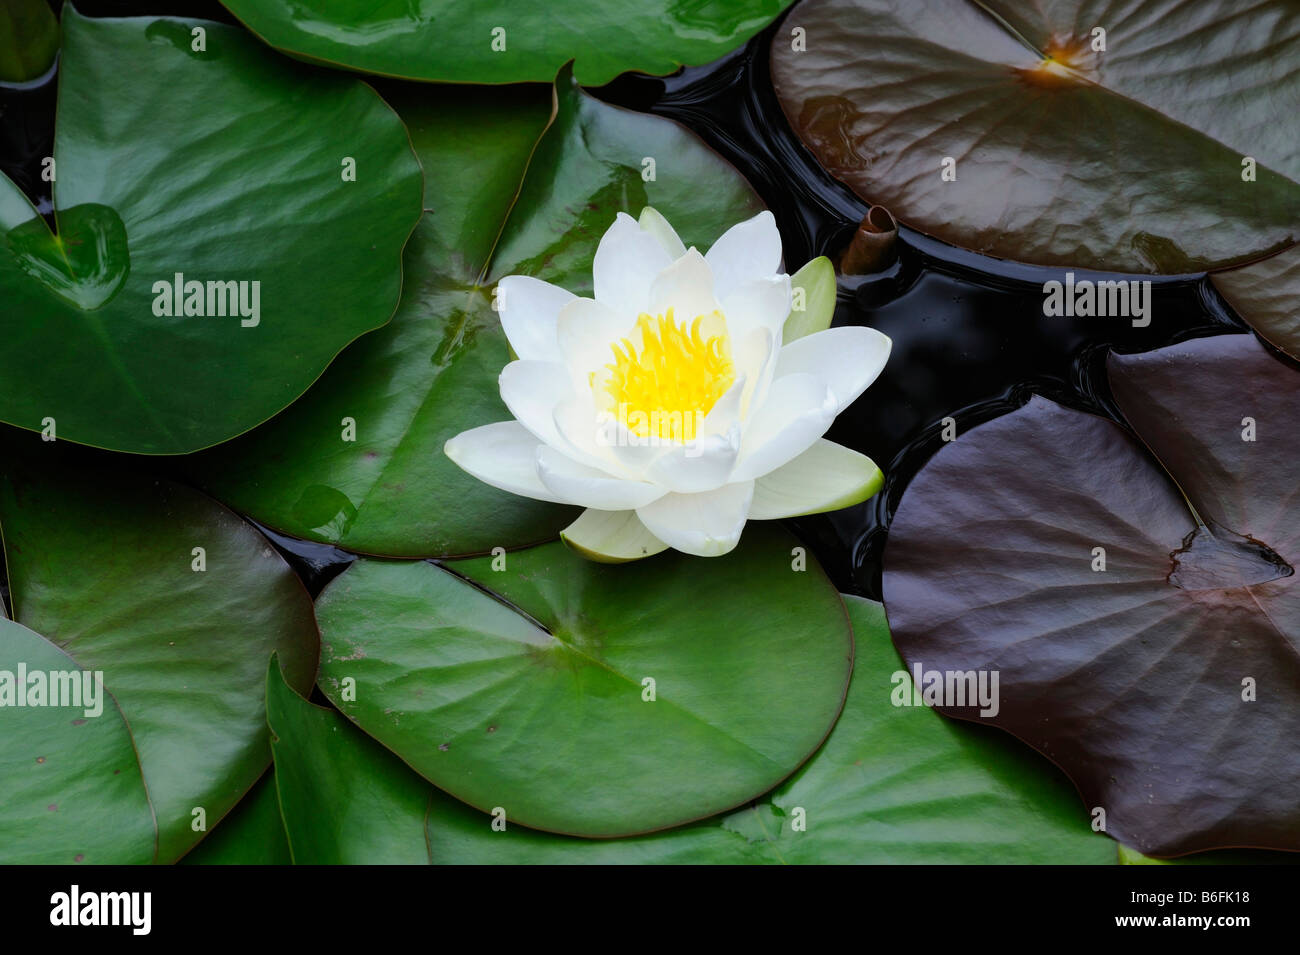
970, 338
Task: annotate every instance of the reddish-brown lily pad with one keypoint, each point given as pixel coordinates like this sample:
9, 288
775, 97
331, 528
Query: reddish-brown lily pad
1142, 136
1267, 295
1146, 638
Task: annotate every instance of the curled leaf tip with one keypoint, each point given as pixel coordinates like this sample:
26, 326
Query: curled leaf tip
873, 246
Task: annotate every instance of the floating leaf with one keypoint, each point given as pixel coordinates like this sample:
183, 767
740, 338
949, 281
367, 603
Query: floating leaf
1150, 656
211, 166
890, 785
502, 202
252, 834
1267, 295
1107, 136
70, 784
29, 39
1129, 856
176, 601
345, 799
457, 42
586, 698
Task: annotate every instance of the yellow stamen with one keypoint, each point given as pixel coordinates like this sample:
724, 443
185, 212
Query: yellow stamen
665, 388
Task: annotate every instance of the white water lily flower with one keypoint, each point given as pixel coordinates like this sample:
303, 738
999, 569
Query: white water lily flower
667, 405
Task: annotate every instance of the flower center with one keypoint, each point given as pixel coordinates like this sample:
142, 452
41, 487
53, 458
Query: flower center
664, 388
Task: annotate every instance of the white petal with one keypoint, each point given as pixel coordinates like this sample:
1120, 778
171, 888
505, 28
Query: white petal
797, 411
847, 358
685, 286
503, 455
755, 359
634, 454
826, 477
701, 465
627, 261
587, 331
758, 303
531, 390
578, 484
725, 413
611, 537
593, 439
706, 525
626, 454
529, 308
654, 223
749, 250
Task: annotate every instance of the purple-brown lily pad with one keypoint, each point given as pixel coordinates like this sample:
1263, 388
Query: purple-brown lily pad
1142, 614
1142, 136
1267, 295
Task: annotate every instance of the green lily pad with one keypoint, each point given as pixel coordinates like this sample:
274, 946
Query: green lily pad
1131, 158
346, 799
221, 171
1144, 620
444, 40
1267, 295
588, 698
29, 39
70, 783
252, 834
890, 785
1129, 856
103, 563
511, 189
